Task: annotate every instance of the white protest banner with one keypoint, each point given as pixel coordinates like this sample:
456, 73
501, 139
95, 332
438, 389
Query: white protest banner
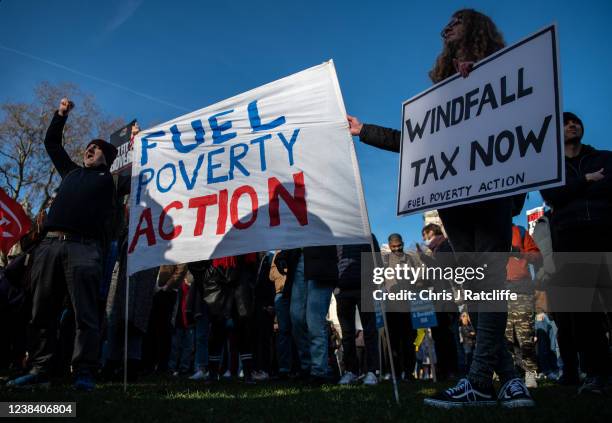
272, 168
496, 133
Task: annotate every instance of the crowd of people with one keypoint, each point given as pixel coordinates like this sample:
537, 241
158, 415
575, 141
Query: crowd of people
264, 316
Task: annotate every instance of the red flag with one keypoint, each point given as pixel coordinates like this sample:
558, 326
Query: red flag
14, 222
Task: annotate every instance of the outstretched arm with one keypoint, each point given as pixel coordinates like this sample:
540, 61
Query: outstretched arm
374, 135
53, 139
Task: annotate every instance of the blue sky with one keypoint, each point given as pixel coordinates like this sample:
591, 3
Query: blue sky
190, 54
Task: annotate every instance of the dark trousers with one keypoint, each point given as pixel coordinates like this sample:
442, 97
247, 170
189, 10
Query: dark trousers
264, 331
474, 230
346, 304
218, 340
445, 344
583, 333
284, 341
14, 327
60, 267
401, 338
547, 359
158, 339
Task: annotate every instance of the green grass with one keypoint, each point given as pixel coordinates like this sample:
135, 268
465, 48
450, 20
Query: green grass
165, 399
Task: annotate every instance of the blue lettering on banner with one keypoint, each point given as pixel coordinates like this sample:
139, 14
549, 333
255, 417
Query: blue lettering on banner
160, 188
146, 145
262, 149
255, 120
218, 136
211, 179
199, 131
235, 160
176, 137
142, 181
289, 144
190, 183
222, 163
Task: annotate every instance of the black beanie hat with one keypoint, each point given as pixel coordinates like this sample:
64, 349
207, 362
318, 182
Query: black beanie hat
109, 150
570, 116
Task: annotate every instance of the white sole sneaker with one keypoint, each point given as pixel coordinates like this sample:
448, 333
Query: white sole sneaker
432, 402
518, 403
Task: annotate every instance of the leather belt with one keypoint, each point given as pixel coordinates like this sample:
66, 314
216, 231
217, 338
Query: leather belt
64, 236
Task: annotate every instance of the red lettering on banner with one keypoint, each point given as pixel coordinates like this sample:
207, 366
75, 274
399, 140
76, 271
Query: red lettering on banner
201, 203
176, 231
222, 216
145, 217
245, 189
296, 203
276, 190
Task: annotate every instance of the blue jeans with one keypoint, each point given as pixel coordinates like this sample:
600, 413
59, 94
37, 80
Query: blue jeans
309, 305
283, 340
182, 347
202, 328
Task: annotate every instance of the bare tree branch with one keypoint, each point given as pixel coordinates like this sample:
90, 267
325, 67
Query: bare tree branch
25, 168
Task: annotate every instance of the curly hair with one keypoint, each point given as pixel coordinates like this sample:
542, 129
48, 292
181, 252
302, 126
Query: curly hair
480, 39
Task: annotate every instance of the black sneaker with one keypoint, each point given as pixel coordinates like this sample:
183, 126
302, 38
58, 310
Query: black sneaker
592, 385
514, 394
462, 395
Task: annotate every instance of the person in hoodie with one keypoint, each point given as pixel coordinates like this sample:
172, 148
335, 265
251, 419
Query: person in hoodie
580, 222
70, 257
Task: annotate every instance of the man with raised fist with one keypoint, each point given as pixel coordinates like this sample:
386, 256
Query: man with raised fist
70, 256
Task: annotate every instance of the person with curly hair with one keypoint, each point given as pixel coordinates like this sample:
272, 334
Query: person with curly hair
473, 230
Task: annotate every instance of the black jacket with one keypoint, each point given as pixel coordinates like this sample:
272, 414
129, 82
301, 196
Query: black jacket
320, 264
380, 137
85, 200
264, 288
350, 264
228, 293
196, 306
580, 203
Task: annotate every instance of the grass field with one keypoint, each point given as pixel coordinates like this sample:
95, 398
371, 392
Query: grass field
166, 399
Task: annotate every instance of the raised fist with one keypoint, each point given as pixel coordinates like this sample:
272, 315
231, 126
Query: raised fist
65, 107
